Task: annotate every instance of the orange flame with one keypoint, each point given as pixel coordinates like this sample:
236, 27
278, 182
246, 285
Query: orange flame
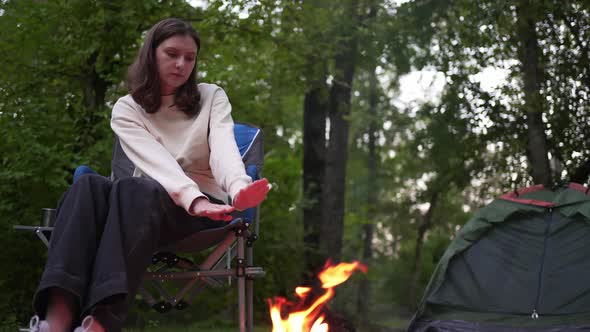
311, 318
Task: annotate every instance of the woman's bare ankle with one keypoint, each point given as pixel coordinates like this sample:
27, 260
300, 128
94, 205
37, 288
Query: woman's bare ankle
96, 327
89, 324
59, 317
59, 312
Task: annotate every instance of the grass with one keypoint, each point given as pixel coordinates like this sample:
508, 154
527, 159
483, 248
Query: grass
197, 327
396, 323
392, 323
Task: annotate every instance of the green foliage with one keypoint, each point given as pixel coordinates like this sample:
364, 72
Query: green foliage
470, 37
210, 326
60, 74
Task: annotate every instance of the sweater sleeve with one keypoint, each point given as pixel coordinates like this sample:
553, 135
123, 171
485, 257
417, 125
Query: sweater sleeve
225, 160
150, 156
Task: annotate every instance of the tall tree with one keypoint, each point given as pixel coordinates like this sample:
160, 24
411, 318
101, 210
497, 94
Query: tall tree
332, 227
364, 294
315, 112
314, 166
424, 225
532, 76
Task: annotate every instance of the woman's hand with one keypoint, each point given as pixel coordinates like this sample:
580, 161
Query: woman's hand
203, 208
252, 195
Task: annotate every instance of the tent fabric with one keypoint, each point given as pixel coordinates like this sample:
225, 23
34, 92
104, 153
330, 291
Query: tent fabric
466, 326
525, 253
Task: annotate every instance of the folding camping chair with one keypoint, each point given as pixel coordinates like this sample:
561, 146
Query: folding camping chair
231, 242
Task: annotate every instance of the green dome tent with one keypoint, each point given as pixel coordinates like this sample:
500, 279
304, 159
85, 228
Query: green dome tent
522, 263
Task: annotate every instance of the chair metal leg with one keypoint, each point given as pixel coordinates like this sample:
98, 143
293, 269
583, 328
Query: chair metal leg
217, 253
249, 290
42, 236
146, 295
249, 305
241, 276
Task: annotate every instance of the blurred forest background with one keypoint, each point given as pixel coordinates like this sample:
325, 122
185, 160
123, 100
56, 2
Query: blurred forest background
359, 172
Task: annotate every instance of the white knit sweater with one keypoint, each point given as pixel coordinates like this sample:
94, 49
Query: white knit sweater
174, 149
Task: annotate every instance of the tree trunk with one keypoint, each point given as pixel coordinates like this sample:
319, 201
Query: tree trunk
532, 78
332, 227
94, 90
580, 175
94, 86
314, 163
364, 296
425, 224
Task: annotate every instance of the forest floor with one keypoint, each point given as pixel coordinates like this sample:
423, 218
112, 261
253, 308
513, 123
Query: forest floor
389, 324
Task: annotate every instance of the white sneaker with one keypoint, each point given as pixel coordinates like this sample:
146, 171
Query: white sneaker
36, 325
86, 324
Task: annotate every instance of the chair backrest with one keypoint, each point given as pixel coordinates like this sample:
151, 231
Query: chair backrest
121, 166
249, 141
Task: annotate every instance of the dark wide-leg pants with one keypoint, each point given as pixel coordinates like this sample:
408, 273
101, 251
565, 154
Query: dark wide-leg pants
104, 237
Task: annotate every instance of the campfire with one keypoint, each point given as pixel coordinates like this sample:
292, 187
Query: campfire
287, 316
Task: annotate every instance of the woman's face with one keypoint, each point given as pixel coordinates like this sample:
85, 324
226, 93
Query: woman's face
175, 57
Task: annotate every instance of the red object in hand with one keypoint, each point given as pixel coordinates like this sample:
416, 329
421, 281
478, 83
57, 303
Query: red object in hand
252, 195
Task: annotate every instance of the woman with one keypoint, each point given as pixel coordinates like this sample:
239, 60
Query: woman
179, 136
